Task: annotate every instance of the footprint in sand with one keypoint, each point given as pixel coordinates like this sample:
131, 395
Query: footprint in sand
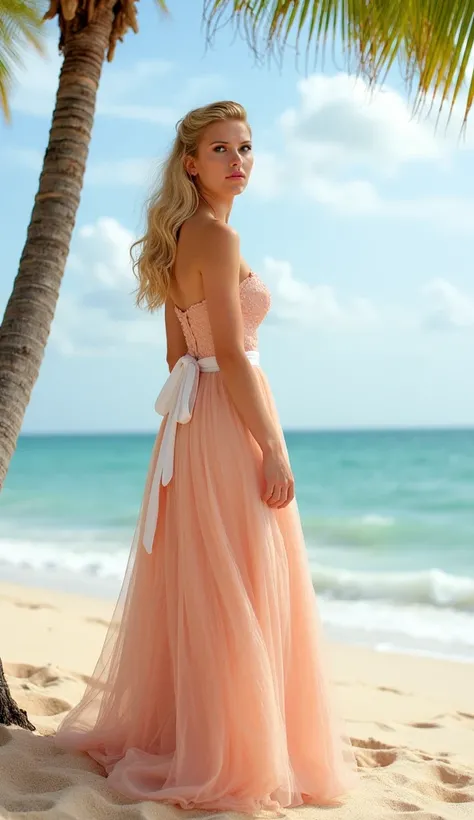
36, 803
428, 757
452, 795
39, 675
369, 743
30, 680
373, 754
424, 725
42, 706
453, 777
445, 783
401, 806
430, 816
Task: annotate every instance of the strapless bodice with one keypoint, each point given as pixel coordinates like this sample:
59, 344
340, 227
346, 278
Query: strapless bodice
255, 300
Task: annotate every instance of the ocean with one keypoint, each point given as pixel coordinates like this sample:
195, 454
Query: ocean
388, 518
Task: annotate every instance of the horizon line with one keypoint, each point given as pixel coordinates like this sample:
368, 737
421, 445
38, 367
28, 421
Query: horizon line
302, 430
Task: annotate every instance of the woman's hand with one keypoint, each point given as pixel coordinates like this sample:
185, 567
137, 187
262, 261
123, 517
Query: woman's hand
278, 481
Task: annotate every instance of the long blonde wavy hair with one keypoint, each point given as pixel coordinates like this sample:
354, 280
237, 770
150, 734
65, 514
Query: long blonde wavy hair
176, 200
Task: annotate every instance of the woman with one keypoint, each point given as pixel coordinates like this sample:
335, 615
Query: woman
210, 692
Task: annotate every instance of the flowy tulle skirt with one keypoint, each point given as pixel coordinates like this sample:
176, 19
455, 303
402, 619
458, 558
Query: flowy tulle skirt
210, 691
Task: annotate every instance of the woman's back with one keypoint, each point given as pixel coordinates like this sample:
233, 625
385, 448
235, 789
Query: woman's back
255, 301
186, 287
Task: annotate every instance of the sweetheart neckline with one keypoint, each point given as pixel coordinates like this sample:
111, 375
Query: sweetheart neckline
250, 275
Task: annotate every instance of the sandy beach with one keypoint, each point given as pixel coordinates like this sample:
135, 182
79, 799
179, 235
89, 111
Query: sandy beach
410, 719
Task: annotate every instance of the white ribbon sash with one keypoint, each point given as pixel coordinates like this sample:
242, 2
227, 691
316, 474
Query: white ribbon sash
176, 401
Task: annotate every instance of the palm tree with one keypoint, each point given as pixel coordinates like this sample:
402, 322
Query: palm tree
433, 40
89, 31
20, 22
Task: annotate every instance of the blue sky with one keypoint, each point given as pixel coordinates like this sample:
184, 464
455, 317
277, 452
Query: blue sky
359, 218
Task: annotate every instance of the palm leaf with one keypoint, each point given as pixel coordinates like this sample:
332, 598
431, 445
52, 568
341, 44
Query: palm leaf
433, 40
20, 24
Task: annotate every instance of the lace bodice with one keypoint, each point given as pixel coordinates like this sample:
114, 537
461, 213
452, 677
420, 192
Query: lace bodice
255, 300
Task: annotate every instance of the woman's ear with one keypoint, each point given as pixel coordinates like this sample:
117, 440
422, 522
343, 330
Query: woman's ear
190, 166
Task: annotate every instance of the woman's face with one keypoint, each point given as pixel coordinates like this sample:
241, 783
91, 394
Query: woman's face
224, 159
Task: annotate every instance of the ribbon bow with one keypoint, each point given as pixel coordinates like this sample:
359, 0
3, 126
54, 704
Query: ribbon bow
176, 400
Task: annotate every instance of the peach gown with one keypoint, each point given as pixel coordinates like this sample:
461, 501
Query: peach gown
210, 691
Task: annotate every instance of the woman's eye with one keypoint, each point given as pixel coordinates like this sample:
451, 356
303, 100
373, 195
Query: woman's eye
219, 148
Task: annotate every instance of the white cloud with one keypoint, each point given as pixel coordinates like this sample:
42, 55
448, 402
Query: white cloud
97, 313
343, 142
319, 307
447, 307
340, 124
361, 198
315, 306
104, 252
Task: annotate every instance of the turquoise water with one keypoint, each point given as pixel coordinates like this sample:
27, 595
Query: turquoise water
388, 518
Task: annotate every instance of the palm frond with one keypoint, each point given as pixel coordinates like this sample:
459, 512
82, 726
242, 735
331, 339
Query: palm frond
20, 25
433, 40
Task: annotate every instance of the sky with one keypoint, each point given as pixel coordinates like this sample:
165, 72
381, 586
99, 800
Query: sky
359, 217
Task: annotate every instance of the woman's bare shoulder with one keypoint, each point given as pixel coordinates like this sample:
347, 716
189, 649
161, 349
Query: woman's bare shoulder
202, 228
208, 251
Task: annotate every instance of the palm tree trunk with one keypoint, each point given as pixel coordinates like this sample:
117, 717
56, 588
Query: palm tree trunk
10, 712
30, 310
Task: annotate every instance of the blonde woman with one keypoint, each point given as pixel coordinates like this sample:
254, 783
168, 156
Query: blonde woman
210, 690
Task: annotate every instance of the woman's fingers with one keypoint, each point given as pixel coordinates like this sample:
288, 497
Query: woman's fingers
287, 496
268, 491
282, 495
276, 495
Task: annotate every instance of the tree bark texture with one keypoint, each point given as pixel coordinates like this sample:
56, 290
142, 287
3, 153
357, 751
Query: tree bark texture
10, 713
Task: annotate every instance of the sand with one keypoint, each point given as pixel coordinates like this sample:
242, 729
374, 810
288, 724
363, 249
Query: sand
411, 721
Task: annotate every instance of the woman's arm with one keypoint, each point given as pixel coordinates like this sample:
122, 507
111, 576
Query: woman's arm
219, 262
175, 342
